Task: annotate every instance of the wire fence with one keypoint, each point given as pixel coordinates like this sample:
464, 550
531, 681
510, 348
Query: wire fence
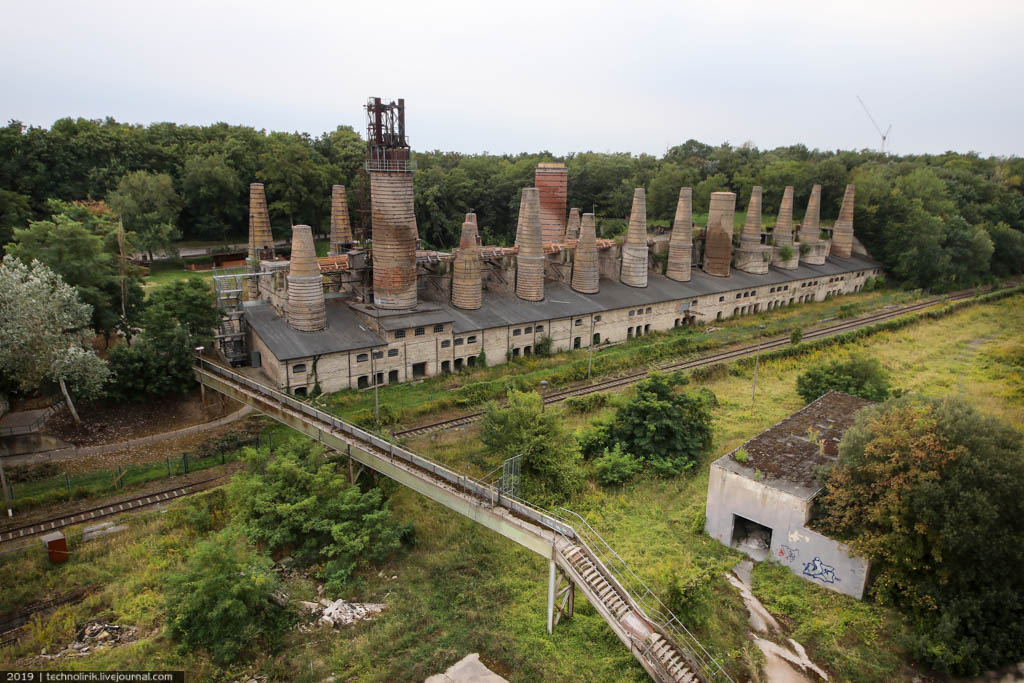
36, 485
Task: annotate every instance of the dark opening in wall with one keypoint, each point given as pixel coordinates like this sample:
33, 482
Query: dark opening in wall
576, 342
300, 391
419, 370
446, 366
750, 537
392, 376
363, 381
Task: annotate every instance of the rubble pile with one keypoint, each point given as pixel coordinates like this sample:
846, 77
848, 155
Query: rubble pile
339, 612
95, 637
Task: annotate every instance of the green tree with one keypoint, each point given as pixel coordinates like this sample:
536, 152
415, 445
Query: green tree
300, 502
220, 600
191, 302
550, 456
857, 376
668, 431
212, 196
615, 467
149, 207
932, 492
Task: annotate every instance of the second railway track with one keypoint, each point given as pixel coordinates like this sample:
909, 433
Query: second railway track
720, 357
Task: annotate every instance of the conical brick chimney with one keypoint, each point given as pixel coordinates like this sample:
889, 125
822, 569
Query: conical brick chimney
752, 257
680, 245
261, 241
586, 275
467, 290
718, 237
752, 226
471, 218
634, 251
816, 249
306, 308
842, 231
783, 233
572, 228
530, 259
341, 229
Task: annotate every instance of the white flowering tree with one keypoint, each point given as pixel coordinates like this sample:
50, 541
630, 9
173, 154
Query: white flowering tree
43, 330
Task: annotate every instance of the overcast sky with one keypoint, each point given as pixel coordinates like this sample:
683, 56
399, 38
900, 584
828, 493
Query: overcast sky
526, 76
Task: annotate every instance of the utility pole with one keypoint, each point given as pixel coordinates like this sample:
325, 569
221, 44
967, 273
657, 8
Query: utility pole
757, 358
590, 354
543, 390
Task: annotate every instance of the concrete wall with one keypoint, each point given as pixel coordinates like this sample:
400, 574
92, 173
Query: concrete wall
807, 553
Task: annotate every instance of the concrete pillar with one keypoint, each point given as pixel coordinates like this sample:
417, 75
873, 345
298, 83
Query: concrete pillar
634, 251
752, 257
467, 290
680, 244
586, 271
530, 259
306, 308
842, 232
341, 228
394, 240
718, 236
572, 228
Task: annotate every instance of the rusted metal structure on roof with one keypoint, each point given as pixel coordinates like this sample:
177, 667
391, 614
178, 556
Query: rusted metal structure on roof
391, 198
552, 181
634, 251
680, 245
718, 237
842, 231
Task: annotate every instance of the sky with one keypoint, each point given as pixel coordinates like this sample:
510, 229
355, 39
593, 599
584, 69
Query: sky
480, 76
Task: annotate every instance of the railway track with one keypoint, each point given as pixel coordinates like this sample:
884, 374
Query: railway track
720, 357
12, 534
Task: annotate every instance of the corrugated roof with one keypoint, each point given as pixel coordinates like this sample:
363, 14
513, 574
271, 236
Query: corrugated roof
345, 332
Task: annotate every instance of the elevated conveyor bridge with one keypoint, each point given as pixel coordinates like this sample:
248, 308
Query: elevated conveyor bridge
578, 558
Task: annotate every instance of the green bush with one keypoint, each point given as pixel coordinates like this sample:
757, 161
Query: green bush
858, 376
596, 437
785, 252
615, 467
543, 346
221, 600
587, 403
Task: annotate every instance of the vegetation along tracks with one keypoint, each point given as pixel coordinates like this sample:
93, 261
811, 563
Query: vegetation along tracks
107, 510
711, 359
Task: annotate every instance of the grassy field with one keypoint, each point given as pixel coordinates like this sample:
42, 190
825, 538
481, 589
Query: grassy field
463, 589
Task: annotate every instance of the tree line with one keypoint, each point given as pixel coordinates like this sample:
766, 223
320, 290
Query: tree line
936, 221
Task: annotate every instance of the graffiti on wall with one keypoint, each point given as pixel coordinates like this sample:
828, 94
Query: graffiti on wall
816, 569
787, 554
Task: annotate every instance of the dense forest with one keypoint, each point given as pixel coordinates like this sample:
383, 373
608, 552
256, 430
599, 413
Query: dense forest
935, 221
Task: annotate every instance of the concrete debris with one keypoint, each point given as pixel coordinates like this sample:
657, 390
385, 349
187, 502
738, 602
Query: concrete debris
341, 613
104, 529
469, 669
280, 597
94, 637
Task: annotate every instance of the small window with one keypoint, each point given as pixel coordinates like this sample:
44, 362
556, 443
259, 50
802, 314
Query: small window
648, 310
439, 328
746, 294
471, 339
721, 298
516, 333
362, 358
597, 318
399, 334
771, 291
420, 331
632, 313
694, 303
528, 330
579, 321
540, 328
753, 292
445, 343
459, 341
298, 367
378, 354
738, 295
392, 353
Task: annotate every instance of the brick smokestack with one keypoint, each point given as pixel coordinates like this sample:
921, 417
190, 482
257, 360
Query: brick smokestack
471, 218
467, 291
572, 228
750, 257
261, 240
586, 272
842, 232
552, 180
634, 251
530, 259
810, 231
680, 245
394, 240
306, 309
341, 229
718, 237
783, 233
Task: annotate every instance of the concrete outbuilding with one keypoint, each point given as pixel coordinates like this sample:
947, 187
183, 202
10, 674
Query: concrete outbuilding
760, 495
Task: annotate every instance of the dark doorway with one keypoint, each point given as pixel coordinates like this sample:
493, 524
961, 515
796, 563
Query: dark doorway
363, 381
576, 343
458, 364
446, 366
752, 538
300, 391
380, 378
392, 376
597, 339
471, 361
419, 370
515, 353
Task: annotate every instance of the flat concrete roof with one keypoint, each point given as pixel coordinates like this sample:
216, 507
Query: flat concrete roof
345, 332
789, 454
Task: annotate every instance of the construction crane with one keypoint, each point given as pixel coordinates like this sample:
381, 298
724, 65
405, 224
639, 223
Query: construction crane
884, 135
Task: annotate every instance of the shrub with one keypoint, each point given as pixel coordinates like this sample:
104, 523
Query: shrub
616, 467
785, 252
805, 248
596, 437
932, 492
543, 346
858, 376
587, 403
795, 336
741, 455
299, 502
221, 601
